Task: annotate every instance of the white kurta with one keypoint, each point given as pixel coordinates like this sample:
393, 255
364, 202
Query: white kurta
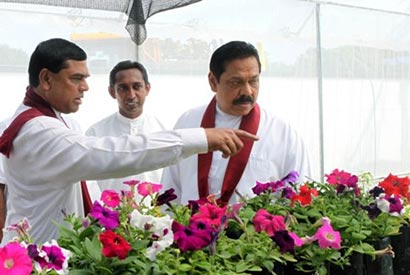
116, 125
278, 151
48, 159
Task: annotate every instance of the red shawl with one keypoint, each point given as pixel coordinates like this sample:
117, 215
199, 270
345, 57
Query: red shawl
236, 164
39, 108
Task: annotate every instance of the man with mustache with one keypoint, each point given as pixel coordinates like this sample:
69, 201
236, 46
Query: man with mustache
129, 85
46, 160
234, 78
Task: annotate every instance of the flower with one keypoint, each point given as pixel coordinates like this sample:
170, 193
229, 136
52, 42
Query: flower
106, 217
14, 260
394, 185
114, 245
193, 237
50, 257
148, 188
264, 221
310, 226
110, 198
326, 236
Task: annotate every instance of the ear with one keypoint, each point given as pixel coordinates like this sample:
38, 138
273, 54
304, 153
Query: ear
212, 81
111, 90
44, 78
147, 88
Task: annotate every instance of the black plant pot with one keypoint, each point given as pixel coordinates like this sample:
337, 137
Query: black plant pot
356, 266
381, 265
401, 248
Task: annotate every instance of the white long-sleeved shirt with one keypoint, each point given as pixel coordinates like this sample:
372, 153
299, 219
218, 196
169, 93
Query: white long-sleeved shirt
116, 125
278, 151
48, 160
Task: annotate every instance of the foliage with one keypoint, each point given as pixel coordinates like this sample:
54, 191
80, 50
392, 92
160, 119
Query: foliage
306, 226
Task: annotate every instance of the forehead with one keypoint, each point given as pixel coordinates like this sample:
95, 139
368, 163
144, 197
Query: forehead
247, 65
129, 75
76, 67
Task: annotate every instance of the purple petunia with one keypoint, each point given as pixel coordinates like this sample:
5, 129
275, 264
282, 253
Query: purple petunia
106, 217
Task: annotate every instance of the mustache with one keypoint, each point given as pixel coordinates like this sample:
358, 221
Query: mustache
243, 99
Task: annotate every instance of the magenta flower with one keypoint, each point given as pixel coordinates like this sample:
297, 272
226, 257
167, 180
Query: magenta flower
264, 221
390, 204
260, 187
147, 188
326, 236
343, 180
15, 260
110, 198
298, 241
106, 217
191, 237
54, 257
211, 214
132, 182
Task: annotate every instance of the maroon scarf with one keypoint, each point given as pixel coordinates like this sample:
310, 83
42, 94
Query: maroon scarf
236, 164
40, 107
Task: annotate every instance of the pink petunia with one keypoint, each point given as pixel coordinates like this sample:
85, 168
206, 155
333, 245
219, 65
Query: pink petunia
131, 182
111, 198
193, 237
264, 221
298, 241
326, 236
14, 259
148, 188
210, 214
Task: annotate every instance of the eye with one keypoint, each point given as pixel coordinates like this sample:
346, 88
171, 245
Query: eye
137, 87
235, 83
122, 88
254, 82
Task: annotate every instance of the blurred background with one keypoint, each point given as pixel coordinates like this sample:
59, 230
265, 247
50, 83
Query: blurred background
338, 71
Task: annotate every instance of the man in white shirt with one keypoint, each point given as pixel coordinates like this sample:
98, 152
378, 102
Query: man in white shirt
3, 185
130, 86
46, 160
234, 78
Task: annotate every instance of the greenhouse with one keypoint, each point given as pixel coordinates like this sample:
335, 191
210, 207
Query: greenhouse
338, 71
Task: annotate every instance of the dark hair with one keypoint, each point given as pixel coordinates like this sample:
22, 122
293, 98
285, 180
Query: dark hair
229, 52
125, 65
52, 54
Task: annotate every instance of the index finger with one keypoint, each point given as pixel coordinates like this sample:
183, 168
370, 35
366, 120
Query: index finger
246, 135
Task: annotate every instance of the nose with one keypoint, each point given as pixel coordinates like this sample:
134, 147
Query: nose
84, 86
130, 93
246, 89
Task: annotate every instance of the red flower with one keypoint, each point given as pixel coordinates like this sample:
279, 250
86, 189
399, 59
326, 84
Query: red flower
393, 185
114, 245
305, 195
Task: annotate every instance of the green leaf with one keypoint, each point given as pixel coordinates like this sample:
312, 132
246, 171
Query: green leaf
184, 267
93, 248
80, 272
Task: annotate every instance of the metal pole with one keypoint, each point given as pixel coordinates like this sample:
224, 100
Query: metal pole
320, 92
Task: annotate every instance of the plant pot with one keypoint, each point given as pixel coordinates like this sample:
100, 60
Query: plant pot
401, 248
381, 265
356, 266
